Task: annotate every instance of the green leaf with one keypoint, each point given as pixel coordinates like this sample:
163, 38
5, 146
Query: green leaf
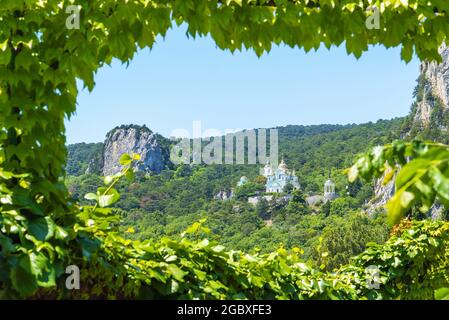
23, 281
389, 174
353, 173
41, 228
125, 159
171, 258
193, 228
60, 233
397, 206
218, 248
440, 183
91, 196
24, 200
130, 175
4, 45
425, 189
410, 170
6, 244
108, 180
442, 294
106, 200
406, 198
48, 279
407, 51
38, 263
177, 273
24, 60
5, 56
203, 243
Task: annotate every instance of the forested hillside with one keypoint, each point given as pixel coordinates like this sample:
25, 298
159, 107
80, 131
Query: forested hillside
314, 150
311, 150
168, 203
84, 158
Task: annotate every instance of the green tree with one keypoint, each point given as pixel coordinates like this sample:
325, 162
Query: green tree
298, 197
346, 237
288, 188
341, 206
248, 190
326, 208
263, 209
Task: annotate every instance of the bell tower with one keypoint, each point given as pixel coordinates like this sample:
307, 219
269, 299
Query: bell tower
329, 189
267, 170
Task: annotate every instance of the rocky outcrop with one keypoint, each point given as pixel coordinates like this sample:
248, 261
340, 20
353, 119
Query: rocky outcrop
224, 195
132, 139
429, 117
427, 120
435, 88
94, 166
382, 193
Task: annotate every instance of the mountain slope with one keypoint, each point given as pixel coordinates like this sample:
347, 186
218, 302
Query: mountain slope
312, 151
84, 158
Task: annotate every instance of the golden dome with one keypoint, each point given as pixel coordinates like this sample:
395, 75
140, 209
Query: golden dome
283, 166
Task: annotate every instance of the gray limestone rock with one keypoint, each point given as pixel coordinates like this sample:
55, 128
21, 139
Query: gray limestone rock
132, 139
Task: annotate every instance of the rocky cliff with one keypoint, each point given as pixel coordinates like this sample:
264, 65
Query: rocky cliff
382, 193
133, 139
428, 119
434, 89
103, 158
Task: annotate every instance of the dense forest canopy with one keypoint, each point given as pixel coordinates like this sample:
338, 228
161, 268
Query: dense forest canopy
43, 230
166, 204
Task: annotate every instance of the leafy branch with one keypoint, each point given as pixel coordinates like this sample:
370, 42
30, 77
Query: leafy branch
107, 196
420, 169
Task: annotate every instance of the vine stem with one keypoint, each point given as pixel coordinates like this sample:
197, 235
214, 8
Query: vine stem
124, 172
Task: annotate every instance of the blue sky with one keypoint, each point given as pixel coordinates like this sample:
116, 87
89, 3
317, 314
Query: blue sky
182, 80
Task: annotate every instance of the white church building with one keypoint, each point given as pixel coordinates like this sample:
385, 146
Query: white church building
278, 178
